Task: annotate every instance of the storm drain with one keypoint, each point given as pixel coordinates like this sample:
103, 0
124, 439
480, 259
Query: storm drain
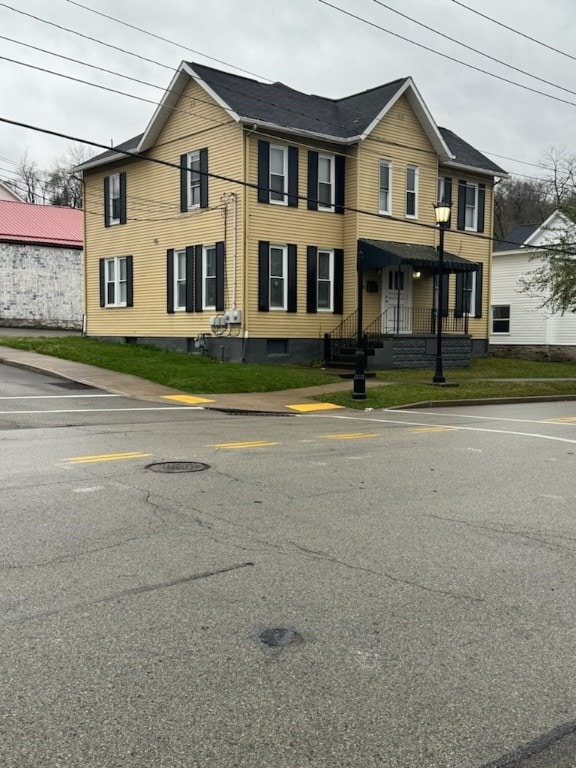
281, 636
174, 467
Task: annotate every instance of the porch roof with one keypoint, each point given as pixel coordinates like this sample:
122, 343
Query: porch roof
382, 253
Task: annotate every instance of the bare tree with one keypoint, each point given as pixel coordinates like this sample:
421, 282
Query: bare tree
520, 201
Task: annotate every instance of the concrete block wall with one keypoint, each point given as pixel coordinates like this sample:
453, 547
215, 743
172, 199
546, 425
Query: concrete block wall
40, 286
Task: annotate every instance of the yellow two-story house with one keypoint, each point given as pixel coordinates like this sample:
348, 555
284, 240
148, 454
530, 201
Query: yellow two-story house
235, 223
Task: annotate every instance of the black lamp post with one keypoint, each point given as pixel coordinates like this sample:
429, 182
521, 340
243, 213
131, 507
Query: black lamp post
442, 212
359, 389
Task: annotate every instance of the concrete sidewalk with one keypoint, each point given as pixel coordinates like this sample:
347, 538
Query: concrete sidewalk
141, 389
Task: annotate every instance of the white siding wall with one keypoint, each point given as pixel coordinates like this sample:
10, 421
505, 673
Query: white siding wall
528, 324
41, 286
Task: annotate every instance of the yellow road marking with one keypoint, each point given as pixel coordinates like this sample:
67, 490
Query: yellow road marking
350, 436
255, 444
565, 419
303, 407
106, 457
191, 399
432, 429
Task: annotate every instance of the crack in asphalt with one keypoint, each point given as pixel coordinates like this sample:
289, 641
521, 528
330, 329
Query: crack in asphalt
144, 589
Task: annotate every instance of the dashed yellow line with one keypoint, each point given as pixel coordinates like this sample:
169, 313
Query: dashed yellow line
304, 407
254, 444
106, 457
190, 399
350, 436
564, 420
432, 429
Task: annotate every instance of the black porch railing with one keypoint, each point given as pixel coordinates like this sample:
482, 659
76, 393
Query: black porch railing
415, 320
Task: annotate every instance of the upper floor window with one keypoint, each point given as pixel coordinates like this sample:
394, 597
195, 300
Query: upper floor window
385, 188
194, 180
277, 174
115, 199
326, 182
471, 204
209, 277
412, 191
325, 273
116, 282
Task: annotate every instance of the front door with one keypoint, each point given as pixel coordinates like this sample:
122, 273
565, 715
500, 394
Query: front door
397, 300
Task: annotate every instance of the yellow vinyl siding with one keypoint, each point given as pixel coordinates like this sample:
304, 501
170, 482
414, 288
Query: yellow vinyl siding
155, 223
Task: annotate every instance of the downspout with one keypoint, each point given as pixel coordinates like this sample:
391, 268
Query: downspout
245, 192
235, 247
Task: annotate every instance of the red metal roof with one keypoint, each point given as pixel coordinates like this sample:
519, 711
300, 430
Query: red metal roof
49, 224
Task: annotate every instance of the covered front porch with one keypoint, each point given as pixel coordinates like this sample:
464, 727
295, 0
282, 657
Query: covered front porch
398, 308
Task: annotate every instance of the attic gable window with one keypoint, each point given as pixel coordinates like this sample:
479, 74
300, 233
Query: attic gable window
194, 180
115, 199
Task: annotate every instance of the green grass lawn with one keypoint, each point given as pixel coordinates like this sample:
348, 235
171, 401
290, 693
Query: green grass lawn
204, 375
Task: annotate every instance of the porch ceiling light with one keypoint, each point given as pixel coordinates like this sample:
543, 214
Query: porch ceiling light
442, 212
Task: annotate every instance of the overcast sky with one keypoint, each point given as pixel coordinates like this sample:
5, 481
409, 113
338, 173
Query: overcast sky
304, 43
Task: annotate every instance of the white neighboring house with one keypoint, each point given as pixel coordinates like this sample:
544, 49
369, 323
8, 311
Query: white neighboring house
6, 193
518, 327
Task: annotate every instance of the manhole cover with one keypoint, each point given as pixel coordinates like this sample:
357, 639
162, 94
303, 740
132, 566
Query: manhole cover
281, 636
173, 467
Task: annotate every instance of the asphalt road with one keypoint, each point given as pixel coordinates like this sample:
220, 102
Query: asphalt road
425, 561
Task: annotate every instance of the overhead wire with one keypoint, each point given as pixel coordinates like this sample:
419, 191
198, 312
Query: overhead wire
256, 187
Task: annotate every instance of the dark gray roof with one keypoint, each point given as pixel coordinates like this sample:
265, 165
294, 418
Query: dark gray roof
280, 105
516, 237
383, 253
129, 146
465, 154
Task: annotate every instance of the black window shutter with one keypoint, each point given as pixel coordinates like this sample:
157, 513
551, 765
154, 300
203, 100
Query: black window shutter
312, 181
460, 286
220, 276
478, 297
340, 172
292, 278
123, 197
263, 276
445, 291
102, 266
263, 171
183, 183
204, 178
311, 278
461, 205
107, 201
129, 281
481, 206
338, 281
170, 281
189, 278
293, 177
198, 277
448, 196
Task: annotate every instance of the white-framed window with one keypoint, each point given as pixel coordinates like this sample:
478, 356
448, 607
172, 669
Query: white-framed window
442, 197
471, 207
385, 187
469, 293
114, 199
209, 277
116, 281
180, 280
326, 184
194, 179
325, 281
278, 174
501, 318
412, 191
278, 276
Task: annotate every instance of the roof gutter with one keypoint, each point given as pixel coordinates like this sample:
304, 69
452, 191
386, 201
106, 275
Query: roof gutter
473, 169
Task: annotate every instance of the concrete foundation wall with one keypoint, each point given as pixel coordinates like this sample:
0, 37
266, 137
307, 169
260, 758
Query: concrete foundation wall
40, 286
546, 352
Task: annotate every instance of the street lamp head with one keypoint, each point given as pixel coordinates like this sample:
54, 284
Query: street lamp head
442, 212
